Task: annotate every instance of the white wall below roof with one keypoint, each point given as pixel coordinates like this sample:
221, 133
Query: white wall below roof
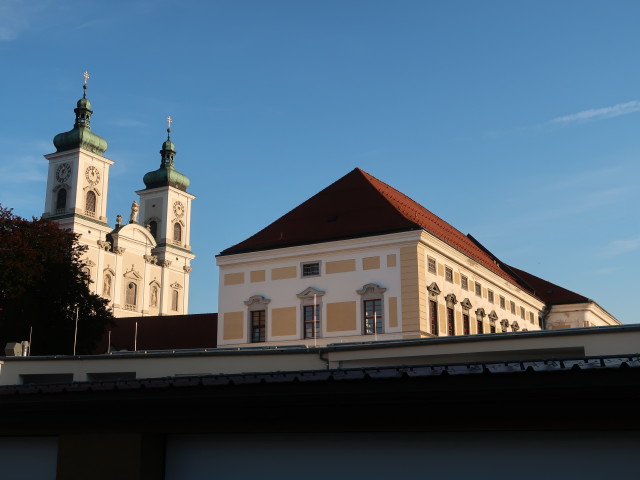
575, 315
617, 340
379, 455
339, 287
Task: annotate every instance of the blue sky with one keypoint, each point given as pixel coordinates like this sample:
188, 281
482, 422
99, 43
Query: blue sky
517, 122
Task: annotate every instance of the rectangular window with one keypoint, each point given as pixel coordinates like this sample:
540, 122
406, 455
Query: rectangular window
480, 326
258, 326
478, 289
311, 321
433, 316
492, 328
512, 306
531, 317
490, 296
465, 324
522, 313
464, 282
448, 274
373, 316
311, 269
451, 326
432, 264
502, 302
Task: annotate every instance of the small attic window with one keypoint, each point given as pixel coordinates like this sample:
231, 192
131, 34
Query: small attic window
311, 269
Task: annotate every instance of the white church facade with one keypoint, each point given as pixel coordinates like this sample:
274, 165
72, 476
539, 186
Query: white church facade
142, 264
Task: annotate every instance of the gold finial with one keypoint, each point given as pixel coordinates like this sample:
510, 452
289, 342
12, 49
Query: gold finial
169, 120
86, 77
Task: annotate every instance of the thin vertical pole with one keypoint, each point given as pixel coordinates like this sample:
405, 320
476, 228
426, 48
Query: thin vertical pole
135, 339
315, 326
75, 334
375, 322
109, 343
30, 333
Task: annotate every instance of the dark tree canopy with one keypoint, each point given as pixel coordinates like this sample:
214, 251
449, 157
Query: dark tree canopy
42, 284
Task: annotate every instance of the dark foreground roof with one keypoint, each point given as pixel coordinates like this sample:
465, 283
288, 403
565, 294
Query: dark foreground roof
541, 394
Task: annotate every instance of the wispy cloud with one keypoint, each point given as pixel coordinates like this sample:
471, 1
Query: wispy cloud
594, 114
620, 247
28, 168
16, 17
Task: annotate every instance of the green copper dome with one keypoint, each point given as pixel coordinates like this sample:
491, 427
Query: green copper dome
81, 135
167, 175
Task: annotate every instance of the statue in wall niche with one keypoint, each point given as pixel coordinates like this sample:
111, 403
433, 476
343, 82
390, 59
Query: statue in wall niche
106, 288
154, 296
134, 212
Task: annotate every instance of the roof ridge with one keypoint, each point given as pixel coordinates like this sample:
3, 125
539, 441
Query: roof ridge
462, 243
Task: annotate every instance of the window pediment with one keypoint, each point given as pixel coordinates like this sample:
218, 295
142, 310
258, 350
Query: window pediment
309, 292
257, 300
433, 289
466, 304
371, 289
132, 273
451, 300
480, 313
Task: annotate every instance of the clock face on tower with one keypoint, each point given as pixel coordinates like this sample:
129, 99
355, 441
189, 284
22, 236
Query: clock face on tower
62, 172
178, 209
93, 175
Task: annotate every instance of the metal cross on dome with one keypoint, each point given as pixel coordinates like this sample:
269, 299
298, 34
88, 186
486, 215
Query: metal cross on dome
169, 120
86, 77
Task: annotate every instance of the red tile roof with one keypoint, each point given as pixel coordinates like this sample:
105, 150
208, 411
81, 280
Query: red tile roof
550, 293
359, 205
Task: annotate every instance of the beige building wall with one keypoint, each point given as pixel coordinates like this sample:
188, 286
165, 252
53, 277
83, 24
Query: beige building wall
401, 264
588, 314
478, 277
345, 267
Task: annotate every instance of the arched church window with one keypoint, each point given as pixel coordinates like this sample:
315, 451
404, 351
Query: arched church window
131, 296
90, 204
177, 232
153, 228
174, 300
61, 199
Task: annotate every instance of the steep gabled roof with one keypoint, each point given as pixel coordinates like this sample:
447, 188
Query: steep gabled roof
550, 293
360, 205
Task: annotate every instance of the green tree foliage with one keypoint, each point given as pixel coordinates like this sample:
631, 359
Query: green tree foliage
42, 285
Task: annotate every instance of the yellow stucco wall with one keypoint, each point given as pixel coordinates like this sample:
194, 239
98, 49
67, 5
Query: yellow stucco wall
233, 325
341, 316
283, 321
341, 266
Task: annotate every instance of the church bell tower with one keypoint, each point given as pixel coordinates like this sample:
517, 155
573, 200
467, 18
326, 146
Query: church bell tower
78, 178
165, 209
